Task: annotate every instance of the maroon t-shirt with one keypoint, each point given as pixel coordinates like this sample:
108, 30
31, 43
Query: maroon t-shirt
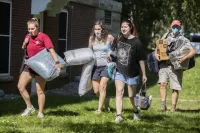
38, 43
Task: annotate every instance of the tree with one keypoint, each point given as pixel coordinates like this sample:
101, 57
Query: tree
153, 17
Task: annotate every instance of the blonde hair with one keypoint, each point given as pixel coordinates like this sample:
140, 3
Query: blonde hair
34, 21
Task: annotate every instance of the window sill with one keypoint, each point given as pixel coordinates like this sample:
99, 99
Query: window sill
6, 78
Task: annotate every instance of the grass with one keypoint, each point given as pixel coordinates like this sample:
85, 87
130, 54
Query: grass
64, 114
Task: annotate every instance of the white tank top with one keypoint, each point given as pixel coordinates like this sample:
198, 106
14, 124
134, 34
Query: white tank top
100, 52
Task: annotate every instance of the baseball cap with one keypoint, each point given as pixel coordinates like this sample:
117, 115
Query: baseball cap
175, 22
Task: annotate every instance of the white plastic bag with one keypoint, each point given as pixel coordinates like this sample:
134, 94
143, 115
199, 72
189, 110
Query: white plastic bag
44, 65
86, 82
78, 56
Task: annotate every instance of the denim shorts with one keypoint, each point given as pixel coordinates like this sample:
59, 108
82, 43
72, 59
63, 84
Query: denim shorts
99, 71
127, 80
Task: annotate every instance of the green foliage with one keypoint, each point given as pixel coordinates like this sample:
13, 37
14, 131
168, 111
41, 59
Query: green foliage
153, 17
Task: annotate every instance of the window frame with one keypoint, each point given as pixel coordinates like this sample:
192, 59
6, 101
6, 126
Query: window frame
67, 22
106, 19
61, 39
9, 35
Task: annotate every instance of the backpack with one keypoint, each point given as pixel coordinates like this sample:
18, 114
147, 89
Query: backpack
191, 63
152, 63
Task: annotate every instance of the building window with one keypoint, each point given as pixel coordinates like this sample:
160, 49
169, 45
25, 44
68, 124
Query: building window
63, 28
107, 17
5, 36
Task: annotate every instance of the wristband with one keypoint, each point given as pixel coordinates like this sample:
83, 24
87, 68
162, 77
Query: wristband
57, 62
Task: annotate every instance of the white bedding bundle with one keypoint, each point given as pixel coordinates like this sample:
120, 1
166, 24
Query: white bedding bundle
79, 57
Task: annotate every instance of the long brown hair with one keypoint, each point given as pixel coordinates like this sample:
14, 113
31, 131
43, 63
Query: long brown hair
104, 32
132, 27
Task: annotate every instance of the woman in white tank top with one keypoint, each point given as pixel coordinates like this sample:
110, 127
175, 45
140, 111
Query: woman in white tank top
100, 42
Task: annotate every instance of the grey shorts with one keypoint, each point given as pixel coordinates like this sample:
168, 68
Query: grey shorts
168, 74
99, 71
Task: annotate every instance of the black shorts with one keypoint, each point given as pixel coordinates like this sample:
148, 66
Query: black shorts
29, 70
99, 71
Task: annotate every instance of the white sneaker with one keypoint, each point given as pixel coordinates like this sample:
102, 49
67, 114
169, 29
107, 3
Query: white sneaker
118, 119
40, 115
136, 116
28, 111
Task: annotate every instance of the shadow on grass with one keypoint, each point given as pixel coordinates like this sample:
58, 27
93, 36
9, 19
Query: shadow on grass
11, 107
188, 110
141, 126
62, 113
152, 118
103, 110
100, 128
90, 109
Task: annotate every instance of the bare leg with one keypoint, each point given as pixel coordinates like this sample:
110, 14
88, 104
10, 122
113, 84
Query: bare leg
163, 94
96, 84
175, 94
102, 89
40, 85
132, 94
119, 95
24, 79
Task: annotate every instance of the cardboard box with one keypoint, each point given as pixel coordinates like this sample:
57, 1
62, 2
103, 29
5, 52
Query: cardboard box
161, 45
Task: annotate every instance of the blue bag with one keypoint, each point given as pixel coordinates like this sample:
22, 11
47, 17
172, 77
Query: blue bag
152, 63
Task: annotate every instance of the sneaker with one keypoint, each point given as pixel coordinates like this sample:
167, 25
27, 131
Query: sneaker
164, 108
118, 119
40, 115
172, 109
136, 116
28, 111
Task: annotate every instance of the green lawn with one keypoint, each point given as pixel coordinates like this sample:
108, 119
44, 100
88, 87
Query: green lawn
76, 114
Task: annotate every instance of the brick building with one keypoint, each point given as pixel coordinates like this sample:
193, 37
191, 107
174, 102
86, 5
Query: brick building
68, 24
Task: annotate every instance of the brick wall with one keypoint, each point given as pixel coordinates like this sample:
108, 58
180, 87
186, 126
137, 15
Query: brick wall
81, 20
21, 13
51, 27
